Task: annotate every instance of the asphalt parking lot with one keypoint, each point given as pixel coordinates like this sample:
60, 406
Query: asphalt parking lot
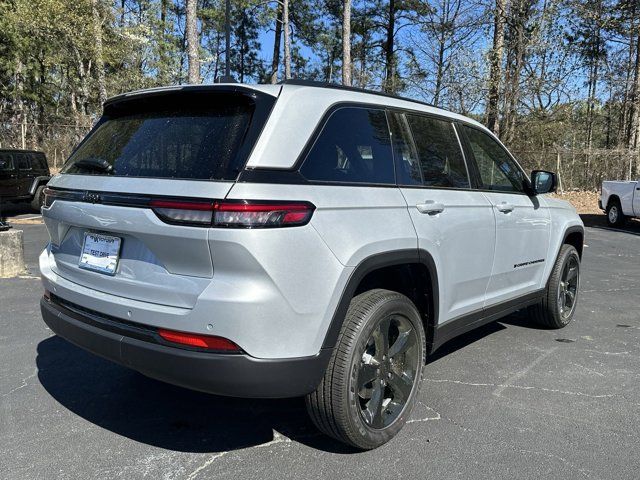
507, 401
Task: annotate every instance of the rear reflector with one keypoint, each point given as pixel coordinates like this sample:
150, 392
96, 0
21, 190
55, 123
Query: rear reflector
201, 341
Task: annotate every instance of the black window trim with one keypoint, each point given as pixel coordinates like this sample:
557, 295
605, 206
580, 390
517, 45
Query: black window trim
292, 176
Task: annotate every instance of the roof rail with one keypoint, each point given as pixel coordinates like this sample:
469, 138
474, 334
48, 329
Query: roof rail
314, 83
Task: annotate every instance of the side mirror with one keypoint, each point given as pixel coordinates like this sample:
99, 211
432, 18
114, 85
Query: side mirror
543, 182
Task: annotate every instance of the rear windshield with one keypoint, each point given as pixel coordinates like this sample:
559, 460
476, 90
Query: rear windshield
200, 137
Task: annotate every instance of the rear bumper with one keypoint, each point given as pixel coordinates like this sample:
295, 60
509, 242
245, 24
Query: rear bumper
237, 375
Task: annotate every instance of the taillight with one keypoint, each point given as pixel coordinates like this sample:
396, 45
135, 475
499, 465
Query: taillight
261, 214
50, 195
209, 342
233, 213
184, 212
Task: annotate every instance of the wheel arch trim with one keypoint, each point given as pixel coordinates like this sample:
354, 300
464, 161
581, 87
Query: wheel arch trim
38, 181
370, 264
568, 231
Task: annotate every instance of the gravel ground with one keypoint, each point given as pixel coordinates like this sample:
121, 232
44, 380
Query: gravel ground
507, 400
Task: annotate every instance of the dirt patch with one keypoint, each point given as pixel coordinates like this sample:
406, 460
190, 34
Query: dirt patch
584, 202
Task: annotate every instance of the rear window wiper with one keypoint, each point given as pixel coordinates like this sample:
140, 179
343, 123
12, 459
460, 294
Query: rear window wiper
94, 163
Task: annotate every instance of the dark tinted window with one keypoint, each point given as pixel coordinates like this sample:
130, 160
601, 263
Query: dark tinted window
439, 152
38, 161
6, 162
404, 149
24, 162
497, 169
354, 146
187, 141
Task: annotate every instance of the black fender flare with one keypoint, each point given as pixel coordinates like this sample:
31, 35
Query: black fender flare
572, 229
38, 181
375, 262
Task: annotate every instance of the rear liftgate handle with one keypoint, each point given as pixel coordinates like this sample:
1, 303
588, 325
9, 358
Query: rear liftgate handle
430, 207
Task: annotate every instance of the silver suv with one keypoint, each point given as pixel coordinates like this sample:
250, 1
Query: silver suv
298, 239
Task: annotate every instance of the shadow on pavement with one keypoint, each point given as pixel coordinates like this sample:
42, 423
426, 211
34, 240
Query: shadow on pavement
9, 210
464, 340
600, 221
155, 413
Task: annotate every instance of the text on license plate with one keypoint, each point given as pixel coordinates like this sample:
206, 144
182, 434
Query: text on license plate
100, 253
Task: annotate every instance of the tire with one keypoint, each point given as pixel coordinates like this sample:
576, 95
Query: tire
342, 410
615, 217
562, 288
38, 198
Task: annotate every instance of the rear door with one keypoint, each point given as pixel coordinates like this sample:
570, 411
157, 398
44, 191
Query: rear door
147, 176
25, 173
8, 175
522, 221
454, 222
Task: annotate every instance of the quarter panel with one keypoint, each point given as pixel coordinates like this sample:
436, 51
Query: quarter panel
354, 222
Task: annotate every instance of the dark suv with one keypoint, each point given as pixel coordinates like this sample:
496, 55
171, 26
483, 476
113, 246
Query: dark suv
23, 176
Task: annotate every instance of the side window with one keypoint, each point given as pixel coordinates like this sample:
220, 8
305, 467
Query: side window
497, 169
39, 161
354, 147
24, 163
6, 162
439, 152
407, 162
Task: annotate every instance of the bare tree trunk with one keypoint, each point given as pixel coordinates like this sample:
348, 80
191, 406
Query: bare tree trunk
97, 33
593, 79
192, 41
634, 130
287, 40
624, 133
495, 73
163, 73
275, 61
346, 43
439, 69
389, 51
520, 13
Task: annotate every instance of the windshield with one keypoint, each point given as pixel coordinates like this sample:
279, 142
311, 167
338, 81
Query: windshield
187, 140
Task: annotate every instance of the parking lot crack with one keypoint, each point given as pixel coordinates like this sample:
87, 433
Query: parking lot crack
25, 382
519, 387
520, 374
582, 471
278, 438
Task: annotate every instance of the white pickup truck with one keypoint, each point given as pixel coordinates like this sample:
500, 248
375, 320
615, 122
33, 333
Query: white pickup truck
620, 200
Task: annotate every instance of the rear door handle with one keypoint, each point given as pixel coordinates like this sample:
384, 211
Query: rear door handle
430, 207
505, 207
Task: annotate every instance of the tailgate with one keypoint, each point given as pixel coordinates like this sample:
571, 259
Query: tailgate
128, 181
158, 262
